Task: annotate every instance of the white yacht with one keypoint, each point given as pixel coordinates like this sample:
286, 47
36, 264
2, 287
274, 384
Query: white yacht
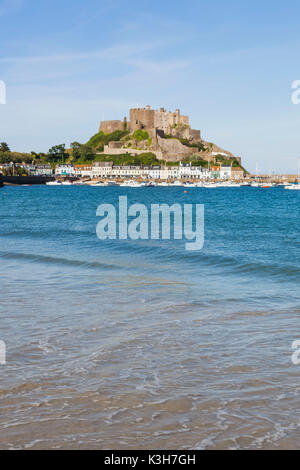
53, 183
228, 184
293, 187
131, 184
210, 185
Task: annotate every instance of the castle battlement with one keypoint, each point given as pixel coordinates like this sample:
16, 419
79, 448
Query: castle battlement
154, 120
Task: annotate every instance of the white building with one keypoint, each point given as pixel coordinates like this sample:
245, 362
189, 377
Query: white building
173, 172
126, 171
83, 171
225, 172
155, 172
102, 169
186, 170
41, 170
64, 170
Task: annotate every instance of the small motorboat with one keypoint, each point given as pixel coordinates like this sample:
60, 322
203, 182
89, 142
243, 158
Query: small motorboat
53, 183
293, 187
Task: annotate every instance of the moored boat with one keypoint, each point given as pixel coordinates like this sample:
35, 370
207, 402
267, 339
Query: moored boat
293, 187
53, 183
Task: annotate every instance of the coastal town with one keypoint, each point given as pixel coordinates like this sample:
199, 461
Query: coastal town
152, 147
156, 145
108, 174
107, 170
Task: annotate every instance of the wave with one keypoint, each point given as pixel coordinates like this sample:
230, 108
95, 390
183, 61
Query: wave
158, 256
237, 265
234, 264
45, 233
55, 260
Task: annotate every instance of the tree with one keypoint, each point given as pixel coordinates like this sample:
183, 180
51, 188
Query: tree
57, 154
4, 147
81, 151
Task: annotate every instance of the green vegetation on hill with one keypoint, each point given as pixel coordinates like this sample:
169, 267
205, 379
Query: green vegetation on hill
15, 157
81, 153
140, 135
198, 145
6, 156
39, 158
147, 158
58, 154
100, 139
220, 159
196, 160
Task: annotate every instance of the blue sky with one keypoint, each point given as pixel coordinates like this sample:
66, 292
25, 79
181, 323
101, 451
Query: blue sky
229, 65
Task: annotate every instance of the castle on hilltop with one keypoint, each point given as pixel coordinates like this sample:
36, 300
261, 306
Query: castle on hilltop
167, 134
155, 123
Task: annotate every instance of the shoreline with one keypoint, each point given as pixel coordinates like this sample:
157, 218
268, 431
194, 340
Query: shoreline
257, 181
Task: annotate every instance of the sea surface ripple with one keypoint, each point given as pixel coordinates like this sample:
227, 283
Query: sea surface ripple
142, 344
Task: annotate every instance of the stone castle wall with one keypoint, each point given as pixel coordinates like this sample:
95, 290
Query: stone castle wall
115, 145
173, 150
153, 120
195, 135
111, 126
147, 118
142, 119
108, 150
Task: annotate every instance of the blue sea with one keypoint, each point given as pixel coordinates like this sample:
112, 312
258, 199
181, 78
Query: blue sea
141, 344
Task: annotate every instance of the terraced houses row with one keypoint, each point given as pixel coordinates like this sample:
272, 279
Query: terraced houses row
184, 170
